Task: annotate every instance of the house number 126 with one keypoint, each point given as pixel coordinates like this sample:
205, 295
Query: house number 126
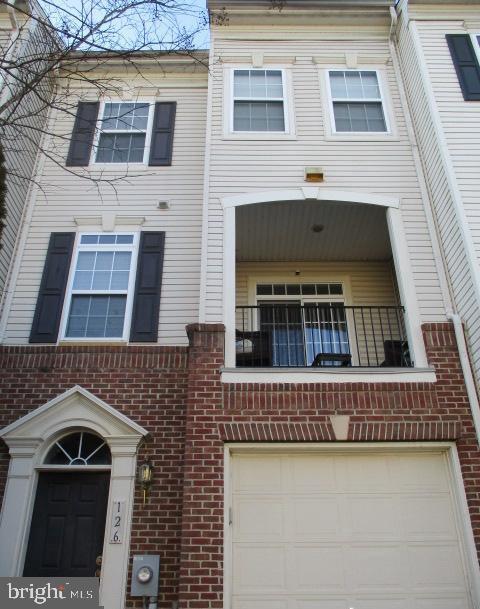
118, 515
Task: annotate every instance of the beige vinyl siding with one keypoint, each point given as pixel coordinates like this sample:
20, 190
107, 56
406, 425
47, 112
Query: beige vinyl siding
369, 283
20, 143
379, 167
453, 112
66, 197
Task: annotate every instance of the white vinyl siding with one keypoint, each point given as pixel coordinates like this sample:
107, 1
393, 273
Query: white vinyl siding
21, 142
377, 167
460, 122
67, 197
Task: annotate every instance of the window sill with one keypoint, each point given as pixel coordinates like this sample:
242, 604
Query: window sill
68, 342
317, 375
361, 137
256, 136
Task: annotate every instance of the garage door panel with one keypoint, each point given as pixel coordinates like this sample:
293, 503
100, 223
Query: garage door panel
436, 566
377, 568
324, 603
379, 602
315, 518
442, 603
257, 473
420, 472
346, 530
373, 516
309, 475
318, 569
259, 518
260, 603
428, 517
260, 568
365, 473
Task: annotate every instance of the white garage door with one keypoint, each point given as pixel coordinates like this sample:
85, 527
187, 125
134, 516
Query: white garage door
341, 531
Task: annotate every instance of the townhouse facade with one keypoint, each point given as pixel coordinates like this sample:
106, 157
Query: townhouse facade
259, 316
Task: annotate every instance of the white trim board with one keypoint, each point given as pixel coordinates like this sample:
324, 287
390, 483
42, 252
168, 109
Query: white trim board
328, 375
309, 193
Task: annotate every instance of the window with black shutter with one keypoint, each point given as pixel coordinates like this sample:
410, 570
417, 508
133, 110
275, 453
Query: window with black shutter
466, 64
81, 141
48, 312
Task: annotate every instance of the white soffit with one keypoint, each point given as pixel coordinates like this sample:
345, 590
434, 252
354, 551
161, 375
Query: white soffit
286, 232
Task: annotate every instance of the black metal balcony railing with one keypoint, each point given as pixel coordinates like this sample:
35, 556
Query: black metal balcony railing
317, 334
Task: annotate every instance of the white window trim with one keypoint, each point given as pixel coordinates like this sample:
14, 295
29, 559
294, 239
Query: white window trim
476, 44
387, 106
288, 109
129, 292
98, 132
345, 297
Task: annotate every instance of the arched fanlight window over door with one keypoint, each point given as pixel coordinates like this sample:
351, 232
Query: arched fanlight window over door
79, 448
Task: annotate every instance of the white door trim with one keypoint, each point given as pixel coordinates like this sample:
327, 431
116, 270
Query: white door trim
28, 440
462, 514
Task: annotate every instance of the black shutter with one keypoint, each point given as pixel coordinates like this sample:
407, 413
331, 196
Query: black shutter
82, 134
146, 304
52, 289
466, 65
161, 143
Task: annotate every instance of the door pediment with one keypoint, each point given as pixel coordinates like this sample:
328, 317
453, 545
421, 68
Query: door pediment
76, 408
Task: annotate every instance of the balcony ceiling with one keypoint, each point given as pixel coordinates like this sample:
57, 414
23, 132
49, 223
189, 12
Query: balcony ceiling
283, 232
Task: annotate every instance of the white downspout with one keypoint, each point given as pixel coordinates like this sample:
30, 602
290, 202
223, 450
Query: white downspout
436, 241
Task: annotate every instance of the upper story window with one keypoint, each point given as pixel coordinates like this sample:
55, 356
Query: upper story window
123, 133
120, 132
357, 104
102, 286
258, 101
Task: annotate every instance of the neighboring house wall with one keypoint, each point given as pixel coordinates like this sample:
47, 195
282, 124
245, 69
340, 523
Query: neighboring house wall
383, 165
448, 132
67, 202
21, 139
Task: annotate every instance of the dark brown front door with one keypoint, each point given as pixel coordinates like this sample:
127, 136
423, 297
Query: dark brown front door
68, 524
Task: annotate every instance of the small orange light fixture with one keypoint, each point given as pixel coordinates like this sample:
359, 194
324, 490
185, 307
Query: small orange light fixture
313, 174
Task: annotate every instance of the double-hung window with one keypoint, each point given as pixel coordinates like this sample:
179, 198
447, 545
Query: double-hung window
101, 287
259, 101
357, 104
123, 133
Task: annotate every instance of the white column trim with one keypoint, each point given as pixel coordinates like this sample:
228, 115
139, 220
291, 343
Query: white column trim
229, 288
406, 287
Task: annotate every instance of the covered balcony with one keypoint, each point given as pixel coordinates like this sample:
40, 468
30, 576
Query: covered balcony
316, 287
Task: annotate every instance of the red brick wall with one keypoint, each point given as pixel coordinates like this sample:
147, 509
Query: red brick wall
283, 412
177, 395
147, 384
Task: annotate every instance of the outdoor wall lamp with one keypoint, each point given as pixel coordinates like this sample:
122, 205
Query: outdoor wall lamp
144, 478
